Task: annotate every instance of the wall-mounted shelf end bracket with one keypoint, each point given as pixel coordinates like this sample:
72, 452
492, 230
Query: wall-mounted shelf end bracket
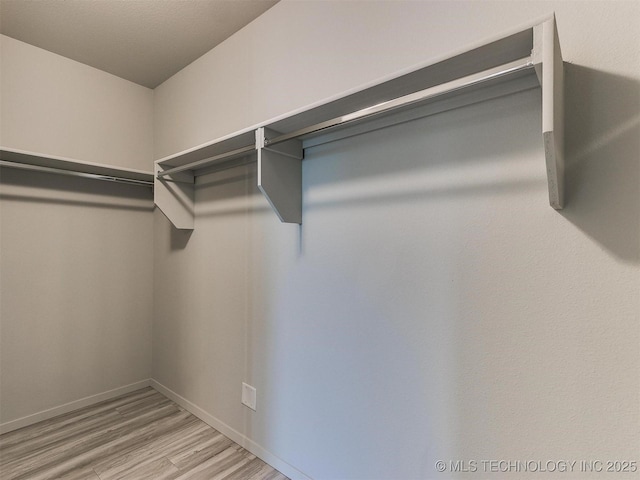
547, 59
174, 197
280, 174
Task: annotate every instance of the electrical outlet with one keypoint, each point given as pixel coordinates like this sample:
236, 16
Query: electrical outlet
249, 396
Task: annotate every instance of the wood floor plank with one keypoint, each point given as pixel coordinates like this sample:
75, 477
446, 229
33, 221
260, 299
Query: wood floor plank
143, 405
87, 445
49, 439
84, 473
157, 469
196, 454
163, 445
115, 446
138, 436
71, 419
252, 470
219, 466
256, 470
82, 449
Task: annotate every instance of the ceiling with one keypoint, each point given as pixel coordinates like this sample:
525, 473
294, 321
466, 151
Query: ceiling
145, 41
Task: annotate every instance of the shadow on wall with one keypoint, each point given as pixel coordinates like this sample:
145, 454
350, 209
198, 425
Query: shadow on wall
450, 134
602, 145
38, 187
478, 121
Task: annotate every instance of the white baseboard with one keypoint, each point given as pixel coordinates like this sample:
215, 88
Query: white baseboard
260, 452
71, 406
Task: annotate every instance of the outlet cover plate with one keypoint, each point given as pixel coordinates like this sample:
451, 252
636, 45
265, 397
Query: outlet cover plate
249, 396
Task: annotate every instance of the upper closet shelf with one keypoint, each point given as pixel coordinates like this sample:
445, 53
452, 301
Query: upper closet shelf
13, 158
524, 59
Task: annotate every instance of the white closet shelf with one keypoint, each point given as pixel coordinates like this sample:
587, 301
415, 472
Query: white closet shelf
523, 59
13, 158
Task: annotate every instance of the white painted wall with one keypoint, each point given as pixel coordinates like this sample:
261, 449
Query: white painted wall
60, 107
76, 261
76, 283
432, 306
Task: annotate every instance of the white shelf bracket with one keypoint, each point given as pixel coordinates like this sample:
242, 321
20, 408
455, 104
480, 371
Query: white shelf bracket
280, 174
547, 59
175, 199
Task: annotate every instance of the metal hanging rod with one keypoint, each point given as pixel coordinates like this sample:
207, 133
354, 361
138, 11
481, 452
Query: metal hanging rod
205, 161
411, 99
72, 173
404, 101
229, 165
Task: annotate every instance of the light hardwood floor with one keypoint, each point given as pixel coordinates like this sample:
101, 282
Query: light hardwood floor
142, 435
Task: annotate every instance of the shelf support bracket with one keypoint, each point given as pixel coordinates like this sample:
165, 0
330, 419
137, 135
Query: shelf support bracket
547, 60
280, 174
175, 199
